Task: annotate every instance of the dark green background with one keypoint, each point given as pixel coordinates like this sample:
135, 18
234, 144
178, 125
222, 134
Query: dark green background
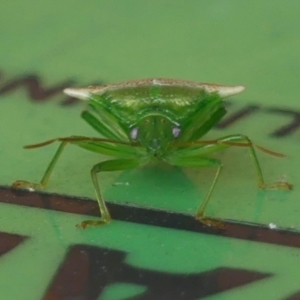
254, 43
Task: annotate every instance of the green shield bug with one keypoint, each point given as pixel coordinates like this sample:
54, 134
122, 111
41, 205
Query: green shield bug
153, 119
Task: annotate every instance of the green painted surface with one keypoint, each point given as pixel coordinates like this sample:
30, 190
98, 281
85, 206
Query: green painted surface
226, 42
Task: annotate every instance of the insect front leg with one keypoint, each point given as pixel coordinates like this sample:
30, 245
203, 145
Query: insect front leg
109, 165
198, 161
22, 184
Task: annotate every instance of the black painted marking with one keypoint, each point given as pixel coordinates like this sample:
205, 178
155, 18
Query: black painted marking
235, 117
253, 232
39, 93
33, 85
291, 126
9, 241
88, 270
36, 90
295, 296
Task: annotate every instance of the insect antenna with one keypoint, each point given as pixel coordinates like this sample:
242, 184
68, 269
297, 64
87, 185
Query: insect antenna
270, 152
81, 139
236, 144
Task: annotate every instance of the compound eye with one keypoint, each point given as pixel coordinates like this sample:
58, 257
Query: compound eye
176, 132
134, 133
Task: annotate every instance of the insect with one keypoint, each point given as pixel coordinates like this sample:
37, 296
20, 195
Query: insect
153, 119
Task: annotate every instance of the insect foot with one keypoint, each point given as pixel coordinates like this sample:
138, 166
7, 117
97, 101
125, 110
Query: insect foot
26, 185
85, 224
209, 222
280, 185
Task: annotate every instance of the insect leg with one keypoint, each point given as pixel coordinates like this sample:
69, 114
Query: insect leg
198, 161
106, 126
21, 184
194, 156
109, 165
98, 145
236, 140
242, 138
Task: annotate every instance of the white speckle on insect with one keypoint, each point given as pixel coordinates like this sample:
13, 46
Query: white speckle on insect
176, 132
82, 94
272, 226
134, 133
117, 183
156, 82
225, 91
31, 189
